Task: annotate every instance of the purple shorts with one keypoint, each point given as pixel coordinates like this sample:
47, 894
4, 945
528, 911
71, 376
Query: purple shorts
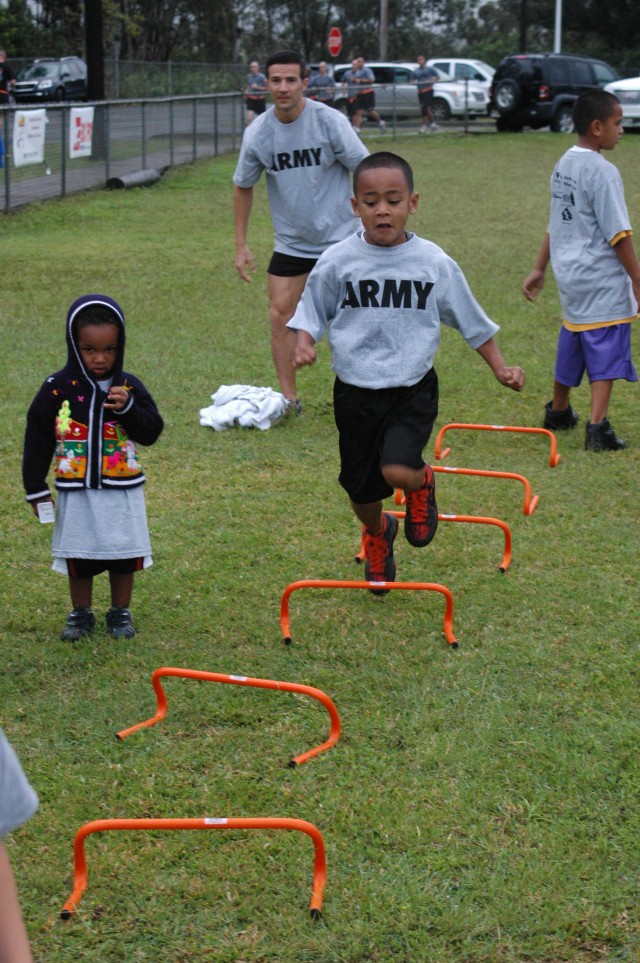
604, 353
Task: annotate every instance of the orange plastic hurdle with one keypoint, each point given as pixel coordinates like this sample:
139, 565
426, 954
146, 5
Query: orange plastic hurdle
554, 457
318, 694
447, 626
530, 501
478, 519
80, 878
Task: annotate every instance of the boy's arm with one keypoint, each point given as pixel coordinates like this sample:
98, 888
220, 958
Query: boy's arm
510, 377
242, 204
629, 259
136, 411
535, 281
14, 943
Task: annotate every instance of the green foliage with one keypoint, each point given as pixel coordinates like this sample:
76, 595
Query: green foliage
481, 805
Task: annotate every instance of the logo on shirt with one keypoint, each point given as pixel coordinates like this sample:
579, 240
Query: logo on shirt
390, 293
290, 160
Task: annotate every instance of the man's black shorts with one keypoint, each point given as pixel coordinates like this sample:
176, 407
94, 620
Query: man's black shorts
289, 266
366, 102
426, 100
388, 426
88, 567
257, 104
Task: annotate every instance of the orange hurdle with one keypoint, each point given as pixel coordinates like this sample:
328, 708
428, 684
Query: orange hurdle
103, 825
554, 457
479, 519
530, 501
447, 627
318, 694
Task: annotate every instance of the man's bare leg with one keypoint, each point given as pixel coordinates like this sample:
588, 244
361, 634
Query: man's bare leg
284, 294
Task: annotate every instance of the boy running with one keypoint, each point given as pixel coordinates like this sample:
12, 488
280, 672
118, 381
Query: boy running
383, 294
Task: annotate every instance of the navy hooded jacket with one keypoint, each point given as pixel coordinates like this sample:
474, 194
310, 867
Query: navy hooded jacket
93, 446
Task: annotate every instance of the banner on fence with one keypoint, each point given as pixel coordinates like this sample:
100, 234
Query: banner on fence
28, 137
80, 132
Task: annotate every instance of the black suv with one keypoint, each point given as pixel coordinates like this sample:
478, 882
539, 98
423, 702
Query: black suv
47, 79
539, 90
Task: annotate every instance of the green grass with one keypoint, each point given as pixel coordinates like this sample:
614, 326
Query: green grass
481, 804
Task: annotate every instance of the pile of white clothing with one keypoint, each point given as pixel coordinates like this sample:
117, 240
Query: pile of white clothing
244, 405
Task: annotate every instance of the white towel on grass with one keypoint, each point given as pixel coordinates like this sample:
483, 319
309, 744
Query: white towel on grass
243, 405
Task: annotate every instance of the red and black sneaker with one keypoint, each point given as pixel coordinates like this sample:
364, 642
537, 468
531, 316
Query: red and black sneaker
379, 565
421, 516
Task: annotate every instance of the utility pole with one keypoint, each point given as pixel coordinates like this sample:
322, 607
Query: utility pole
384, 28
94, 47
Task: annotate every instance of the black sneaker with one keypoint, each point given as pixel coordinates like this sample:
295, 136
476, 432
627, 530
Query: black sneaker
421, 515
559, 420
79, 622
120, 623
379, 563
602, 437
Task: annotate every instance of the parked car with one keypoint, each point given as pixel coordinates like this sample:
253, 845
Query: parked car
539, 90
47, 79
460, 68
628, 93
395, 94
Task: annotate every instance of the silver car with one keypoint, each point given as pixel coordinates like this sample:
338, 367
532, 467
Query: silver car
628, 93
397, 96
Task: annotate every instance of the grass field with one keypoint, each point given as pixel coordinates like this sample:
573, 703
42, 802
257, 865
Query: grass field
482, 803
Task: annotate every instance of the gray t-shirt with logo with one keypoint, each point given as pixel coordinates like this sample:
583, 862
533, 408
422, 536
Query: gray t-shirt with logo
307, 165
588, 212
384, 307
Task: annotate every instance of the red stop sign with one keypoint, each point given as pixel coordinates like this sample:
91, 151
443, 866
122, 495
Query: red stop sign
335, 41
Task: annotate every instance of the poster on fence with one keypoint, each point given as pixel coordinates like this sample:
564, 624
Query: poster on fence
80, 131
28, 137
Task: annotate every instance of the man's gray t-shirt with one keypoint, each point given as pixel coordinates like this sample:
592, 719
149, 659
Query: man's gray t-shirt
588, 212
383, 307
307, 165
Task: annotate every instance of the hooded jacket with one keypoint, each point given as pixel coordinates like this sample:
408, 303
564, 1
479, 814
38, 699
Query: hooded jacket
93, 446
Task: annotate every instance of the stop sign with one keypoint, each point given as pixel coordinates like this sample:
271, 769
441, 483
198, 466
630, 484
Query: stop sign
335, 41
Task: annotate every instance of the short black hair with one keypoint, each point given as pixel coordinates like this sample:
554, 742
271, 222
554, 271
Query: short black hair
95, 314
384, 159
286, 57
596, 104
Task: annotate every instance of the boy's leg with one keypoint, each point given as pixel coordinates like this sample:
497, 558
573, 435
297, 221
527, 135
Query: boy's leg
560, 396
284, 294
81, 592
600, 397
599, 435
370, 515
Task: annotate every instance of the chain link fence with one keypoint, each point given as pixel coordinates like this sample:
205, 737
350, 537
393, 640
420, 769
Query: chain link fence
128, 136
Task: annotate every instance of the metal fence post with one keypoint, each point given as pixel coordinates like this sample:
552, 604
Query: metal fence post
143, 131
194, 125
107, 142
215, 126
171, 136
63, 152
7, 175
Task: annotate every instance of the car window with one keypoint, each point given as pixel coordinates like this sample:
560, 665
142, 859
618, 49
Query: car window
402, 75
604, 74
581, 73
383, 75
466, 71
559, 72
442, 65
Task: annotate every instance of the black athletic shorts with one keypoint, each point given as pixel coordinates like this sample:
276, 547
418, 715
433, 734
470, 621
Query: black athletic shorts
426, 99
258, 104
366, 102
289, 266
388, 426
88, 567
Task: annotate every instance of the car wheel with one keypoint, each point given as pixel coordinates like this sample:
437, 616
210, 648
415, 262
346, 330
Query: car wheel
505, 125
59, 94
562, 120
441, 109
507, 96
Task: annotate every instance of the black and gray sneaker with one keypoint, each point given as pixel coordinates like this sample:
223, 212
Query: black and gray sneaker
120, 623
602, 437
559, 420
79, 622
